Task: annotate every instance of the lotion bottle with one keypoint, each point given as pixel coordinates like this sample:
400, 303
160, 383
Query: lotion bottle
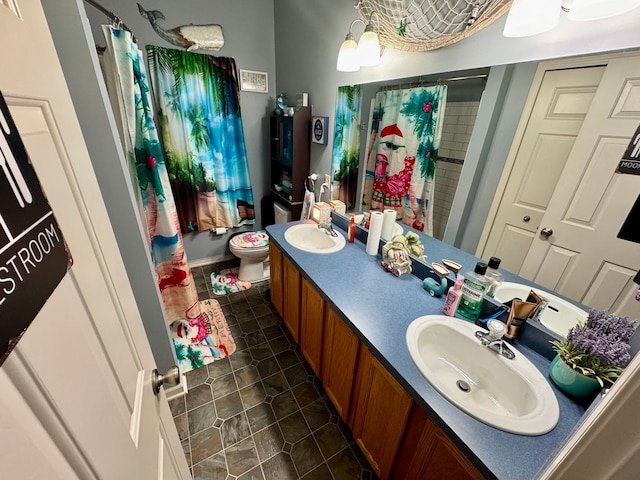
352, 229
453, 298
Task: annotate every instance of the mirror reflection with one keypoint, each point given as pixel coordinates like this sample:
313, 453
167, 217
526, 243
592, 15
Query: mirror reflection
404, 125
526, 226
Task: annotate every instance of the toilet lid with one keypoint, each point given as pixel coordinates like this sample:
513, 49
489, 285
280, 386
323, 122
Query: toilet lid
251, 239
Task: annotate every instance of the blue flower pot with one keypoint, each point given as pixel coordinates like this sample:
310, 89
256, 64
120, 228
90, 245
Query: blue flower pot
571, 381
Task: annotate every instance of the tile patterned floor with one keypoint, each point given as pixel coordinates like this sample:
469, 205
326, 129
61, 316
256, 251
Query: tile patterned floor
261, 413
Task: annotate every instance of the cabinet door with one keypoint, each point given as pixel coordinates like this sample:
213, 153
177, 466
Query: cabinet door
282, 139
291, 301
312, 326
339, 360
276, 286
381, 411
427, 453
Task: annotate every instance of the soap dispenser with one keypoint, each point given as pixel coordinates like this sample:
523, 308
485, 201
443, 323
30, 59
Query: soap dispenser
453, 298
352, 228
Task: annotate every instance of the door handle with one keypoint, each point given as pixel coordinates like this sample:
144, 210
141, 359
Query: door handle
172, 377
546, 232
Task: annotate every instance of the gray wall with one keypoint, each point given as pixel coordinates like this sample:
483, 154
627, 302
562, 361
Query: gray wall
308, 37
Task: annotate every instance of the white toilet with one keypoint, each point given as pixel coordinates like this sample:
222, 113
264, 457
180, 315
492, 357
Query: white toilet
252, 248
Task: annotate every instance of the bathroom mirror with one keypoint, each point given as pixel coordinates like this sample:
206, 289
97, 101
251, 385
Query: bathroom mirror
515, 106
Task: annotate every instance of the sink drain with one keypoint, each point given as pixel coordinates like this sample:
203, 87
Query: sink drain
464, 386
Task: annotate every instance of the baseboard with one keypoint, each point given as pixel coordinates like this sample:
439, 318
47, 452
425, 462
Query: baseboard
209, 260
179, 390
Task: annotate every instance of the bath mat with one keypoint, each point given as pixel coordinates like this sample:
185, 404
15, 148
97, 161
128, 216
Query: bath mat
226, 281
204, 340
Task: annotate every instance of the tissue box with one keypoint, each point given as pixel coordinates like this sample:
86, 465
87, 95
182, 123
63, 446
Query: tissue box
338, 206
321, 212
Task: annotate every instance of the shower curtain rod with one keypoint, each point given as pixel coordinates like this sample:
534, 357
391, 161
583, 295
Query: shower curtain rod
423, 83
115, 19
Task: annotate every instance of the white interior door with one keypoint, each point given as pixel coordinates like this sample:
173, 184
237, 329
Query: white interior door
76, 400
583, 259
562, 102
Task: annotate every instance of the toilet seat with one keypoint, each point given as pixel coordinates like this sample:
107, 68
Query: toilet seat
251, 240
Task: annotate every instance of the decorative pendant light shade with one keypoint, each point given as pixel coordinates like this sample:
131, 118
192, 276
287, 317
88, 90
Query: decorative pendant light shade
582, 10
369, 48
348, 55
365, 53
531, 17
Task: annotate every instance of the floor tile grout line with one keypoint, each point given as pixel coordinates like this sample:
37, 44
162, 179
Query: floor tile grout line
267, 342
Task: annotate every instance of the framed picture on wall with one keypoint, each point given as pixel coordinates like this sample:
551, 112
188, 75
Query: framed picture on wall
252, 81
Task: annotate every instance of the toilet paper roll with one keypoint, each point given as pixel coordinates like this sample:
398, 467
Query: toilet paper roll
221, 230
388, 220
375, 228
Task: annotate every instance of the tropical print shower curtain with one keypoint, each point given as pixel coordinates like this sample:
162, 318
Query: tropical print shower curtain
199, 112
346, 145
199, 331
402, 149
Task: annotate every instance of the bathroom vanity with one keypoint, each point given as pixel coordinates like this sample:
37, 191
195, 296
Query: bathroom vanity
350, 318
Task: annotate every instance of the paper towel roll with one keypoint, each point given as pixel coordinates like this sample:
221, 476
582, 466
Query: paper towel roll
375, 228
388, 220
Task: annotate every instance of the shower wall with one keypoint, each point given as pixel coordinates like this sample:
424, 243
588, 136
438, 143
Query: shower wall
459, 119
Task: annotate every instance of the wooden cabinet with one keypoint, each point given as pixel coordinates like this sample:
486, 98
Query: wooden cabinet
380, 414
290, 141
339, 362
276, 280
285, 289
312, 326
394, 433
291, 304
427, 453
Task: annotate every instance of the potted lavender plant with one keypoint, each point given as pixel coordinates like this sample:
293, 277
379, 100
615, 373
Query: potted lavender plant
594, 354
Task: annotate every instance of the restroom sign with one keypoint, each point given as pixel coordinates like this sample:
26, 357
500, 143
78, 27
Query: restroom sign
33, 255
630, 162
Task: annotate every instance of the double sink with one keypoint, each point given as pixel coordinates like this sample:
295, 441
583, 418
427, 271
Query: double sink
508, 394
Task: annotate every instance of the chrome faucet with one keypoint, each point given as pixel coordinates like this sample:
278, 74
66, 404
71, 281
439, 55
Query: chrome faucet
493, 338
328, 228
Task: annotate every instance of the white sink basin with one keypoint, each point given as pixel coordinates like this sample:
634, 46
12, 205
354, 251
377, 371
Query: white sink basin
310, 238
511, 395
558, 316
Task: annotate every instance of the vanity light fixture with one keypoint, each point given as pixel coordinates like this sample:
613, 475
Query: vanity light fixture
531, 17
364, 53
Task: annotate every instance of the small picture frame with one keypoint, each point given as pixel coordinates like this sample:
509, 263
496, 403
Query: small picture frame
254, 81
319, 127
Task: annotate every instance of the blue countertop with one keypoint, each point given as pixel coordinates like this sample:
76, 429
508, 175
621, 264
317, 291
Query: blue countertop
379, 307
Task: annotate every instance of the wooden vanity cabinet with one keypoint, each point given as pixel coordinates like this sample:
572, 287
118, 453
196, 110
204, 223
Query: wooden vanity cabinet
380, 414
276, 280
285, 290
312, 326
339, 362
427, 453
398, 438
291, 303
